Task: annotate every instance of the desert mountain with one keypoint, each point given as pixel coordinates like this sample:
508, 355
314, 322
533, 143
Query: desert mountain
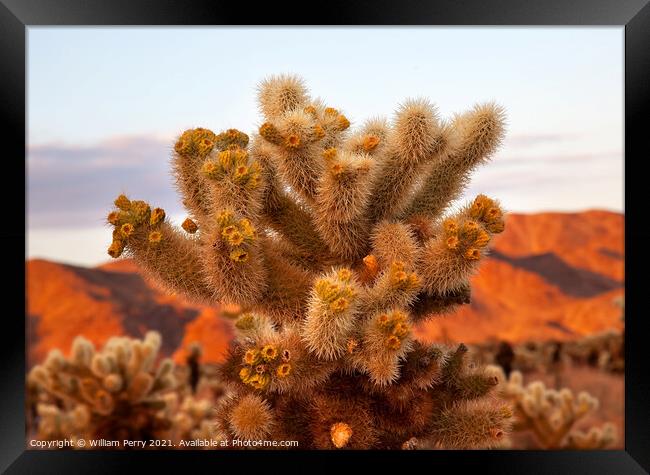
550, 276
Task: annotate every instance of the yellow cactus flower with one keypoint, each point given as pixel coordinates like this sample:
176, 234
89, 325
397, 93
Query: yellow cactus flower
470, 227
235, 238
251, 356
340, 304
241, 171
283, 370
393, 343
239, 255
157, 216
244, 374
269, 352
182, 146
155, 237
224, 217
127, 229
344, 274
493, 214
401, 330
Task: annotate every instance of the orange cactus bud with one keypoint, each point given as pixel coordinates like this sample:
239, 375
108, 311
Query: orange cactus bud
114, 218
189, 226
115, 249
342, 122
452, 242
450, 225
292, 141
123, 203
329, 154
493, 214
319, 132
340, 433
352, 345
270, 133
496, 227
370, 142
482, 239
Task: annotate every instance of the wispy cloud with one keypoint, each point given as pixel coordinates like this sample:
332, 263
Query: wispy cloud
72, 186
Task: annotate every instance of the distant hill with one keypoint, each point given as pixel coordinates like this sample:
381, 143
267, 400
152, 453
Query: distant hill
550, 276
64, 301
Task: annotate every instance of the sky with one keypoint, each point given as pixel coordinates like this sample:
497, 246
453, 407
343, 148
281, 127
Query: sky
105, 105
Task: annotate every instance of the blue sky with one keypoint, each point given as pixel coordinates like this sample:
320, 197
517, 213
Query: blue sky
104, 106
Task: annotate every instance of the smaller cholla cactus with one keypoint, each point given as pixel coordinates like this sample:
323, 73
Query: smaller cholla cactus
56, 423
193, 423
116, 393
552, 415
603, 350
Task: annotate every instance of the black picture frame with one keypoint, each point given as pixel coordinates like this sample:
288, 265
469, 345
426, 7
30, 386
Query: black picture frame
17, 15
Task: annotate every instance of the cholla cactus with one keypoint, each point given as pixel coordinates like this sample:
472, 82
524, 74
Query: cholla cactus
336, 245
193, 422
116, 393
552, 415
603, 350
55, 423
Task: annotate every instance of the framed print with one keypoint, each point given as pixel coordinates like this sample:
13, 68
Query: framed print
398, 232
